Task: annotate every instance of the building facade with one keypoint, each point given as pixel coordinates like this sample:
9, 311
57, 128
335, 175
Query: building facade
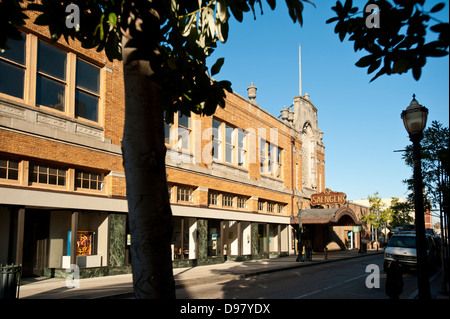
236, 179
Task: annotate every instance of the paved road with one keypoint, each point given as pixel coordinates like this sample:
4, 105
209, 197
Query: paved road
339, 280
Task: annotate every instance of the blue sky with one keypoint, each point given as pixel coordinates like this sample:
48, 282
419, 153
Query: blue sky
360, 120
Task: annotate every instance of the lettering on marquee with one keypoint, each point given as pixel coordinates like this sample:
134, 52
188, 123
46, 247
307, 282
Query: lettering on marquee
328, 197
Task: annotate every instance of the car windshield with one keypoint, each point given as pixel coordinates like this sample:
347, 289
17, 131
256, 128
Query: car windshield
403, 241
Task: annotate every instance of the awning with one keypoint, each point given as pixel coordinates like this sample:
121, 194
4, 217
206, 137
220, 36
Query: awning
343, 216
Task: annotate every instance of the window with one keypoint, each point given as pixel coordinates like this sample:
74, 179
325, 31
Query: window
89, 180
280, 208
227, 200
184, 132
261, 206
270, 207
229, 145
217, 141
12, 69
87, 91
167, 128
51, 77
44, 174
61, 81
241, 202
262, 156
9, 169
185, 194
241, 147
213, 199
270, 157
169, 189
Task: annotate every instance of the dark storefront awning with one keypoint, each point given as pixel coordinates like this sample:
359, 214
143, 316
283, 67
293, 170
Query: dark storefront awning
342, 216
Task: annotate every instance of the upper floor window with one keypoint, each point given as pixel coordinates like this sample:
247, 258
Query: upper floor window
241, 144
184, 132
241, 202
12, 69
89, 180
180, 130
229, 144
270, 158
213, 199
227, 200
185, 194
87, 91
44, 174
52, 78
217, 140
9, 169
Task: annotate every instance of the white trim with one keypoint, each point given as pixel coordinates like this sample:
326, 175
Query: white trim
56, 200
45, 199
200, 212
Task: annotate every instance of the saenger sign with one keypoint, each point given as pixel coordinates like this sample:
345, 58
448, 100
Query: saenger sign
328, 197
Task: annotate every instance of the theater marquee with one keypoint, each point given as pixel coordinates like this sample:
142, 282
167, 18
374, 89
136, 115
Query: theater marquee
328, 197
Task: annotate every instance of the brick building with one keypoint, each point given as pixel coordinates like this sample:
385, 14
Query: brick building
236, 179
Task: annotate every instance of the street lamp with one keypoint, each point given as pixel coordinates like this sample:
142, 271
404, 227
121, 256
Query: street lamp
300, 244
415, 119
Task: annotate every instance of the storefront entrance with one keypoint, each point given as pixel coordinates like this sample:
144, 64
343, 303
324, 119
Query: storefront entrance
35, 242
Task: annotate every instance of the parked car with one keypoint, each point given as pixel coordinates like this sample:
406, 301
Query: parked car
402, 247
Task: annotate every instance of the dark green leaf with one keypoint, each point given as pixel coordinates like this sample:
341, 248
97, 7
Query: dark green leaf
217, 66
332, 20
366, 61
272, 3
417, 71
43, 19
375, 65
438, 7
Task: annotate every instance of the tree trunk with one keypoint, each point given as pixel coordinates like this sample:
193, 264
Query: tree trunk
150, 216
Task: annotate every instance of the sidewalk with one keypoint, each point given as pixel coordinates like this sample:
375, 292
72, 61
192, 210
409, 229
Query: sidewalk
120, 286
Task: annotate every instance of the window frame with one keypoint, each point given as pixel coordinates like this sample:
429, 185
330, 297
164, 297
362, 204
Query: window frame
227, 200
183, 193
48, 167
90, 180
32, 74
22, 66
8, 168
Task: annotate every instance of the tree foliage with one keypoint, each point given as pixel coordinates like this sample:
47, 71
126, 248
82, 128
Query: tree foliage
400, 42
401, 212
435, 165
379, 213
189, 32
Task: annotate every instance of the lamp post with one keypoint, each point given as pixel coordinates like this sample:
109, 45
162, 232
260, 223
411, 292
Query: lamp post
300, 244
415, 119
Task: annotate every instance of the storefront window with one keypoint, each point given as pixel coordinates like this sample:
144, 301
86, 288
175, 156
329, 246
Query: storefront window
180, 238
214, 248
262, 238
85, 243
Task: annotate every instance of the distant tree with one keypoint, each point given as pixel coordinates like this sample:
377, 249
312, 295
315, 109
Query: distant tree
435, 165
401, 212
379, 214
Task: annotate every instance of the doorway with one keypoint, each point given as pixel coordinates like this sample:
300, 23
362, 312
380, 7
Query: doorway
35, 242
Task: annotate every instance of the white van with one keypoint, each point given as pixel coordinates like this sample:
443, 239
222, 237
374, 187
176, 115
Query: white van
402, 247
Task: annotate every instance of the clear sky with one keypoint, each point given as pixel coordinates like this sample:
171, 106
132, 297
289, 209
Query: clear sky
360, 120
